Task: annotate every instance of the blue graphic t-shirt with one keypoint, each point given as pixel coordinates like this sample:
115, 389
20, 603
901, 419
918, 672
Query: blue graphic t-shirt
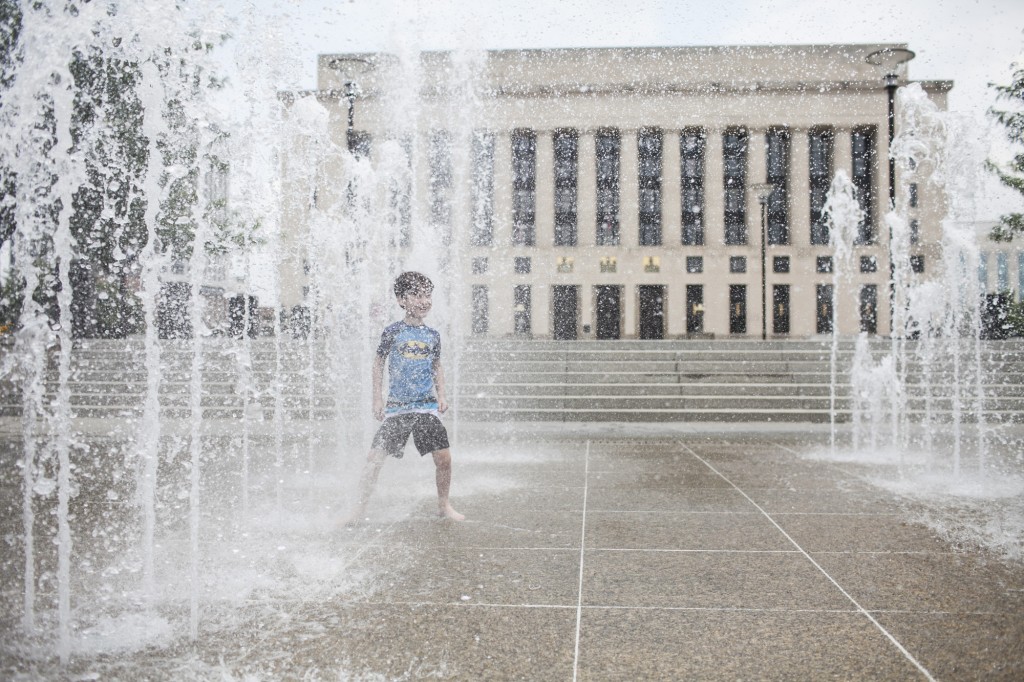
411, 353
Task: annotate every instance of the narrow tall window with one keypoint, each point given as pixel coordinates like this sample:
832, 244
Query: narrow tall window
1002, 272
820, 169
777, 173
869, 308
824, 298
862, 142
524, 187
440, 160
983, 272
780, 308
1020, 276
649, 180
737, 308
483, 188
521, 303
480, 309
607, 145
691, 162
566, 151
734, 157
400, 196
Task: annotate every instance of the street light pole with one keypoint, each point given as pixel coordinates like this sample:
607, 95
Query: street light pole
351, 90
350, 68
888, 60
762, 191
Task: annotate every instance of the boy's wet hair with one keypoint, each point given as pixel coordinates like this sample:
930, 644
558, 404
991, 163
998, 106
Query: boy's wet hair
412, 283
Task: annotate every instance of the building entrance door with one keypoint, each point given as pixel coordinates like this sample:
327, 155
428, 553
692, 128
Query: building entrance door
608, 311
780, 307
521, 310
824, 309
737, 308
869, 309
652, 311
565, 306
694, 308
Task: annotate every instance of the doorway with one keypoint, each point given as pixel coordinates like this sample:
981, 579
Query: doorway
780, 309
608, 313
565, 306
652, 311
521, 310
869, 309
694, 308
824, 309
737, 308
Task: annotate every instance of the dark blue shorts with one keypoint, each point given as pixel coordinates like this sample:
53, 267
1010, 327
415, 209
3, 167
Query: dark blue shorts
428, 434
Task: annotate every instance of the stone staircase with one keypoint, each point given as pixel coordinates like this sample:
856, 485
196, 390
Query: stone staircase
108, 379
703, 380
525, 380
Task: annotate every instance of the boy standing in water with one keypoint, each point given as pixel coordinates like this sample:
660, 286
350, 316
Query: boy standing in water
416, 394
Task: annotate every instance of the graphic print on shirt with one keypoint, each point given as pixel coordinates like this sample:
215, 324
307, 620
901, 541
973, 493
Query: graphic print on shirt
411, 353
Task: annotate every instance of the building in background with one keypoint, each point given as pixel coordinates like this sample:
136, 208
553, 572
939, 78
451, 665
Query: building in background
611, 193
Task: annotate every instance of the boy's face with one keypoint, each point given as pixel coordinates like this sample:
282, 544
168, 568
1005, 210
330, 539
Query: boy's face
416, 303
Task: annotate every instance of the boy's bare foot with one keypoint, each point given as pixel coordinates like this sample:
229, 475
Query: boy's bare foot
447, 512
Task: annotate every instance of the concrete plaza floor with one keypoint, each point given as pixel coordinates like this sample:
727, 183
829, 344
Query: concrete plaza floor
615, 556
698, 556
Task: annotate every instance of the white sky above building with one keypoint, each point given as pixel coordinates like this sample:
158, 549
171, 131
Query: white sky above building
971, 42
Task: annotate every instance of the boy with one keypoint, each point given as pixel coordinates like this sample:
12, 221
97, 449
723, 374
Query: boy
416, 394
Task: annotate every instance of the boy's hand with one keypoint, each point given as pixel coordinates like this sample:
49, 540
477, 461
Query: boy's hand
442, 405
378, 409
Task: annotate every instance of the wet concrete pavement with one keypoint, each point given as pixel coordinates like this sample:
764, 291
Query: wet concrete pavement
609, 556
697, 556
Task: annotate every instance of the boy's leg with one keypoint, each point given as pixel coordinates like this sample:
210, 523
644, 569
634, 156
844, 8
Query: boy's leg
371, 470
443, 463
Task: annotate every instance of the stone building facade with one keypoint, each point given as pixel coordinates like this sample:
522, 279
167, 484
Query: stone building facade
612, 193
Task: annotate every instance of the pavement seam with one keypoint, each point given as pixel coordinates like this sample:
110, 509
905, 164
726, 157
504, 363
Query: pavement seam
917, 664
579, 590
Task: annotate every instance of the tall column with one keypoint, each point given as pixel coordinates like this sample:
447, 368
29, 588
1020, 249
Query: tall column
586, 310
846, 296
420, 203
586, 190
671, 199
629, 187
502, 190
671, 225
502, 279
545, 192
842, 152
714, 187
799, 188
756, 173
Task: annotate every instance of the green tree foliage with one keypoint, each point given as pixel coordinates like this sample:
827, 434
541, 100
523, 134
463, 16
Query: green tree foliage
108, 211
107, 222
1012, 174
10, 288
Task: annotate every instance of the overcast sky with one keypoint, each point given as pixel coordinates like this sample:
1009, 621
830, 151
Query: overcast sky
971, 42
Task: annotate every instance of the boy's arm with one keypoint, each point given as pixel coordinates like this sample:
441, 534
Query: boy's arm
378, 381
442, 400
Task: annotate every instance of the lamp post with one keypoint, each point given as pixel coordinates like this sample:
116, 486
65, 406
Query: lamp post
762, 190
351, 90
350, 67
888, 61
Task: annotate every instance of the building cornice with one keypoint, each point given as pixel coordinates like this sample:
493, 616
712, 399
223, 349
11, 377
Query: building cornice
710, 89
